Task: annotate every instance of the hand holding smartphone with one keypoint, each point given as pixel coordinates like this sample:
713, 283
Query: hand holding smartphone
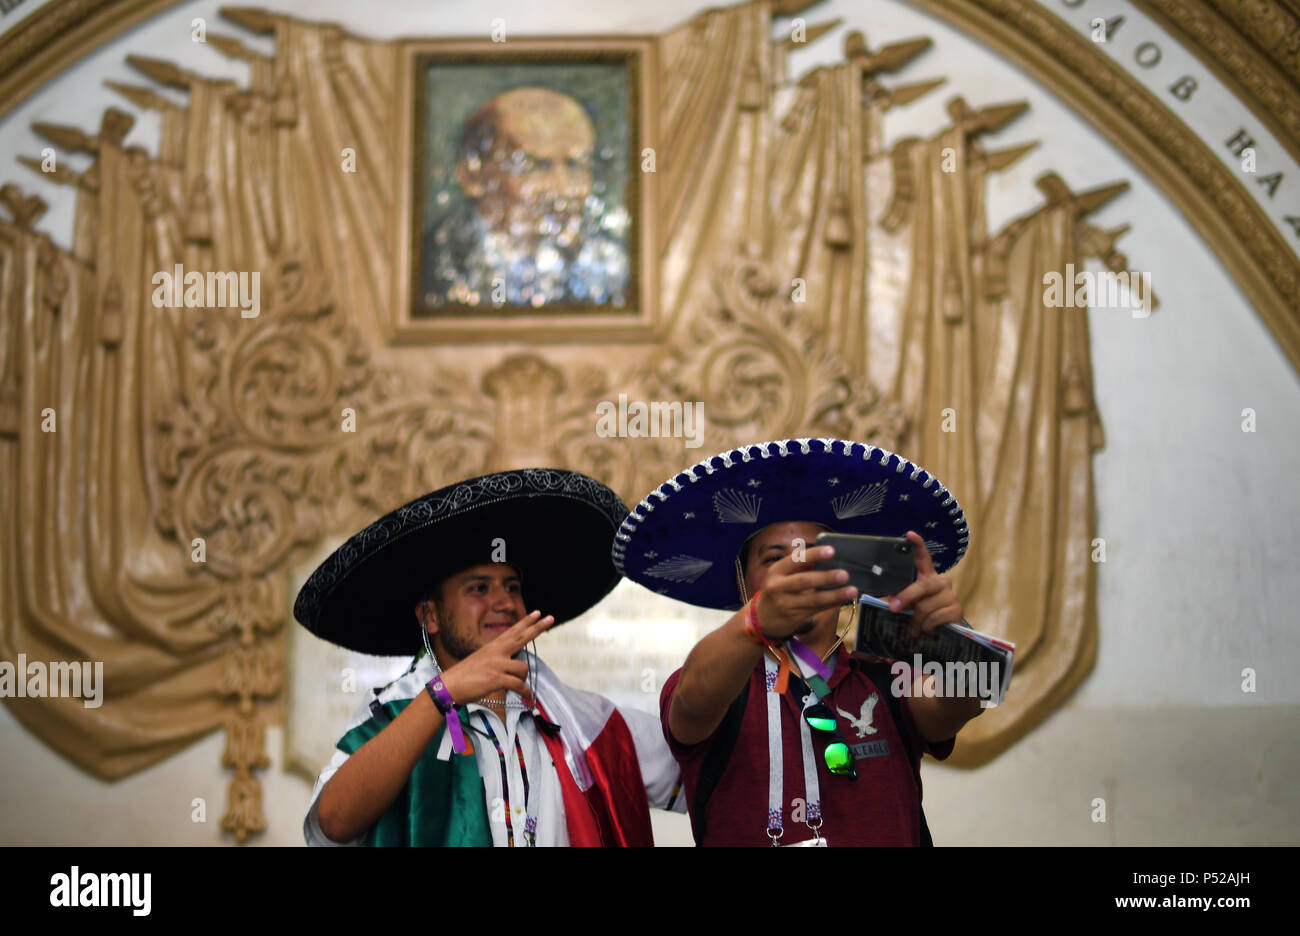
877, 565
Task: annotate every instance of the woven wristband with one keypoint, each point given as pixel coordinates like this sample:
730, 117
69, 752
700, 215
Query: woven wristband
447, 705
752, 630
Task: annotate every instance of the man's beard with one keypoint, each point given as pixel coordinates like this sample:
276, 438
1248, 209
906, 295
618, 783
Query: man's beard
525, 243
452, 639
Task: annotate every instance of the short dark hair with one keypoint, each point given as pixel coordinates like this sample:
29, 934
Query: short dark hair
432, 594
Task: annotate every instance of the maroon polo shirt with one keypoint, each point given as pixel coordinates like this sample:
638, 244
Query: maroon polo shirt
880, 807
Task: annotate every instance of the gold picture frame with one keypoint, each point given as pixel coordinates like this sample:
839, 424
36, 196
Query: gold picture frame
432, 301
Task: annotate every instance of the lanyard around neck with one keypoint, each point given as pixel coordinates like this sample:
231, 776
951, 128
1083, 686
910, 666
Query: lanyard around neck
530, 820
812, 661
776, 757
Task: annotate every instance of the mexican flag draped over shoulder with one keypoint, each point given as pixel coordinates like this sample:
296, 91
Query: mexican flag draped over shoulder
363, 596
443, 803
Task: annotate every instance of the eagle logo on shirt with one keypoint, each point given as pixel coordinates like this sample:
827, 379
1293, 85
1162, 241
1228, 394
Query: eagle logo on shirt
863, 722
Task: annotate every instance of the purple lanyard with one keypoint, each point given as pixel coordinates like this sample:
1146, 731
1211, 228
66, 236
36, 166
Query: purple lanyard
810, 659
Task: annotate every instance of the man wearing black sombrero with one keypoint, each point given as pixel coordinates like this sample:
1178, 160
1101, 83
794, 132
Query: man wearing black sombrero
479, 743
783, 737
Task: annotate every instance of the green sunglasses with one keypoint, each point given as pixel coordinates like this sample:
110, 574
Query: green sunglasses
838, 758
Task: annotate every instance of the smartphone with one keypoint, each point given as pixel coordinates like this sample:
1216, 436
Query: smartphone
877, 565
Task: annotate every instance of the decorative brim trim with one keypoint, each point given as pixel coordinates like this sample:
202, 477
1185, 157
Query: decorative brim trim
362, 595
739, 507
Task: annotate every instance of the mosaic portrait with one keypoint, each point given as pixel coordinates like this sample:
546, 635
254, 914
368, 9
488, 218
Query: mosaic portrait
525, 196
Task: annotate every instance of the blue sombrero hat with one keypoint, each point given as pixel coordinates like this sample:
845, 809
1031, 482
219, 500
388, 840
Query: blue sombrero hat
682, 540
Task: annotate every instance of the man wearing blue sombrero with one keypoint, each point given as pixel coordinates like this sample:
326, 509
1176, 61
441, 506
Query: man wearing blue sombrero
479, 743
782, 736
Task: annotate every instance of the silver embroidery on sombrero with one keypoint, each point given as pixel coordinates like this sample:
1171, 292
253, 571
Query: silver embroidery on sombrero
736, 506
935, 548
747, 454
866, 500
446, 502
680, 568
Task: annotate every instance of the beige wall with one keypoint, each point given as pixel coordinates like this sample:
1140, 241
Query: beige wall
1169, 776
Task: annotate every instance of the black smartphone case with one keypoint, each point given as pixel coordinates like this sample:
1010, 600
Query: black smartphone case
877, 566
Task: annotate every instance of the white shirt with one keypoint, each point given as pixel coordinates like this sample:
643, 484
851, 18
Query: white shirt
545, 800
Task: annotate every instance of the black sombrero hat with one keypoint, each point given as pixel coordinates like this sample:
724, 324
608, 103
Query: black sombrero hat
683, 538
557, 528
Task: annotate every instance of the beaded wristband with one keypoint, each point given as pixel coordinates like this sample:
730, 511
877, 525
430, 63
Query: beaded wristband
447, 705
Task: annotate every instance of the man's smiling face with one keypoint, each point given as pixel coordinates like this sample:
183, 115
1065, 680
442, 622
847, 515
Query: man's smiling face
478, 605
